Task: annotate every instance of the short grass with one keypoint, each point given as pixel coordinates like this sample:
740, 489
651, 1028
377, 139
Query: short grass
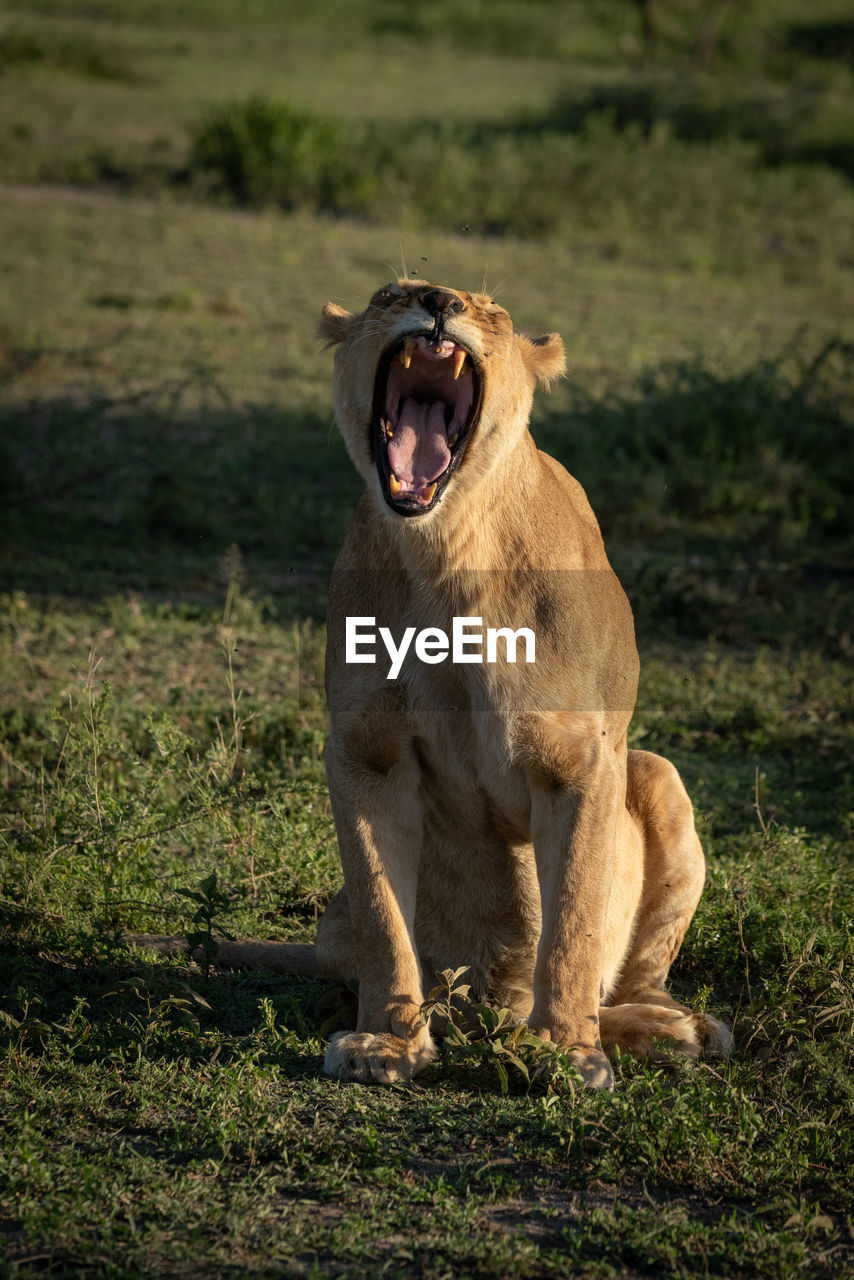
173, 492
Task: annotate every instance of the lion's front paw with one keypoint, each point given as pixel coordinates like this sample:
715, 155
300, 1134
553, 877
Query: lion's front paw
593, 1067
378, 1059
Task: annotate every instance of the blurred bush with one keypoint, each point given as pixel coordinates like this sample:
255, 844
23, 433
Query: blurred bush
665, 154
260, 152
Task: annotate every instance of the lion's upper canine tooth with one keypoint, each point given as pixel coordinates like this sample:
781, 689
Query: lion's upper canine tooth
394, 484
406, 353
459, 361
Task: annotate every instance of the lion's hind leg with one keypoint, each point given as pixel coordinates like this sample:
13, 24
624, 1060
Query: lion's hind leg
640, 1011
641, 1030
654, 1031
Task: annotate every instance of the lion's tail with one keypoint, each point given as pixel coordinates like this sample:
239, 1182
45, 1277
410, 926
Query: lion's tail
281, 957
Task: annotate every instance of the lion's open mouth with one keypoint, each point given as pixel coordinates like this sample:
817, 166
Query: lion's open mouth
426, 401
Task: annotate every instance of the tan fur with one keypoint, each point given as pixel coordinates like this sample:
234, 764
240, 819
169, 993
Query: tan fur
491, 815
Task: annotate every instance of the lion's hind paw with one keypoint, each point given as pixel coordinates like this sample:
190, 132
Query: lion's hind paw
377, 1059
642, 1029
715, 1036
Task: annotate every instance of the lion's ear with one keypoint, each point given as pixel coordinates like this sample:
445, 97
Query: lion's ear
544, 357
334, 323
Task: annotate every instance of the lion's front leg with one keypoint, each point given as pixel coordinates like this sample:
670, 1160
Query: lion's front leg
577, 787
378, 821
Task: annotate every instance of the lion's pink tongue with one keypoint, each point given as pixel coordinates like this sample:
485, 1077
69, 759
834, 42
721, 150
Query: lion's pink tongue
418, 453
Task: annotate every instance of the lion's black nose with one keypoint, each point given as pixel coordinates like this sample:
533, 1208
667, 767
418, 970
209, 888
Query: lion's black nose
441, 303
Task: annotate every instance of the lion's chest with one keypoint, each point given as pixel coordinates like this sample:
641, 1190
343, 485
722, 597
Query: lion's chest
469, 778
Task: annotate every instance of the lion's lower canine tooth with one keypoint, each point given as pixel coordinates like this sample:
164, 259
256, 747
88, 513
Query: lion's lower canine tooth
394, 484
428, 493
389, 431
453, 438
459, 361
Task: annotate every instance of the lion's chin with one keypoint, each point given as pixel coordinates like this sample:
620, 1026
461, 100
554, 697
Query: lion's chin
427, 395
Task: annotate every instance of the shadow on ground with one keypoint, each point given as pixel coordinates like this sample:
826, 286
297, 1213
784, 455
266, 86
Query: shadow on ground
105, 497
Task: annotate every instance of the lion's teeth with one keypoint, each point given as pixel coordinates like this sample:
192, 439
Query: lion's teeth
389, 431
427, 494
406, 353
453, 438
459, 361
394, 484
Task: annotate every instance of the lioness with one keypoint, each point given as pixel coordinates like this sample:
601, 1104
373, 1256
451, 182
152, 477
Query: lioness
489, 813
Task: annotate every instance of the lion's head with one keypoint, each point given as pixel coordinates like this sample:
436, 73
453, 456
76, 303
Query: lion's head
432, 385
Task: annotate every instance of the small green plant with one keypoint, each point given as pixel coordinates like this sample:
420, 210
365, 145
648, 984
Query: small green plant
27, 1026
474, 1032
226, 754
212, 902
165, 1001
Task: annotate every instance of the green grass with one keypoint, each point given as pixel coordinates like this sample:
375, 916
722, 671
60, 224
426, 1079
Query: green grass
173, 494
